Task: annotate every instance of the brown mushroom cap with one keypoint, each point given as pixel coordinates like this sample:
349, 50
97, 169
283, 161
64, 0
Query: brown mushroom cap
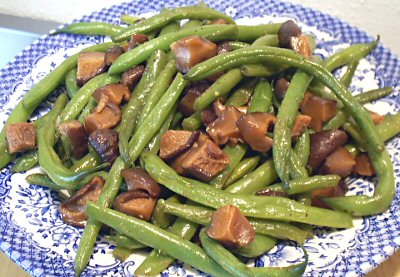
192, 91
107, 118
230, 227
105, 143
20, 137
111, 93
75, 133
137, 39
138, 179
280, 88
223, 47
363, 165
73, 210
322, 144
132, 76
90, 64
135, 203
175, 142
288, 30
253, 127
112, 54
192, 50
300, 124
341, 162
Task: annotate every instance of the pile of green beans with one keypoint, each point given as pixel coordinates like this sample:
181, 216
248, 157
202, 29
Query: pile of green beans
245, 77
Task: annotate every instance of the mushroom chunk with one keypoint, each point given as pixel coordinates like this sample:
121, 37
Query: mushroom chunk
137, 39
194, 90
205, 161
230, 227
105, 143
280, 88
75, 134
253, 127
223, 47
107, 118
132, 76
363, 165
73, 210
112, 54
301, 123
224, 128
289, 36
341, 162
319, 109
322, 144
20, 137
138, 179
376, 118
90, 64
175, 142
113, 93
336, 191
135, 203
192, 50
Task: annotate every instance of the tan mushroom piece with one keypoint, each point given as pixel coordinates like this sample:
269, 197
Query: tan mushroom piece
135, 203
138, 179
20, 137
90, 64
107, 118
111, 93
175, 142
74, 132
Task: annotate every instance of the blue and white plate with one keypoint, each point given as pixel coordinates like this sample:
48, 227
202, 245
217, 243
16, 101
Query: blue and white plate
34, 236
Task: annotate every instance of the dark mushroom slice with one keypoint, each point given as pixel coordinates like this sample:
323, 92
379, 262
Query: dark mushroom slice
301, 123
107, 118
175, 142
337, 191
224, 128
223, 47
322, 144
138, 179
137, 39
208, 116
176, 164
112, 54
192, 50
341, 162
192, 91
132, 76
90, 64
230, 227
268, 192
20, 137
205, 161
280, 88
286, 32
301, 44
111, 93
75, 134
376, 118
363, 165
254, 127
135, 203
105, 143
319, 109
73, 210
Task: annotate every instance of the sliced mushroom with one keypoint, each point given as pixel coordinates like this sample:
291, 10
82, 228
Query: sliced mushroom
175, 142
230, 227
113, 93
208, 116
90, 64
107, 118
192, 91
105, 143
280, 88
137, 39
223, 47
286, 32
301, 123
322, 144
112, 54
138, 179
268, 192
319, 109
376, 118
363, 165
205, 161
301, 45
254, 127
224, 128
176, 164
339, 190
74, 132
341, 162
73, 210
20, 137
192, 50
135, 203
132, 76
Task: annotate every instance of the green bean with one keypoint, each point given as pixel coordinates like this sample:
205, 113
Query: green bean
262, 97
301, 185
25, 162
261, 70
176, 119
253, 32
236, 268
258, 247
241, 95
244, 167
267, 40
253, 206
192, 123
122, 253
154, 144
302, 147
349, 74
158, 238
219, 88
159, 217
142, 52
374, 94
91, 159
42, 180
90, 28
82, 97
91, 104
191, 24
157, 260
125, 242
235, 45
263, 176
296, 167
154, 120
170, 28
389, 127
235, 154
70, 82
129, 19
202, 216
159, 20
161, 83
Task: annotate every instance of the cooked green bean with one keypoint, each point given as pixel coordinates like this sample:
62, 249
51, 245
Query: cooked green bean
349, 74
70, 83
125, 242
170, 28
253, 32
90, 28
296, 168
176, 119
154, 144
122, 253
262, 98
258, 247
302, 147
192, 123
235, 45
244, 167
159, 20
129, 19
91, 159
301, 185
158, 238
371, 95
191, 24
42, 180
159, 217
25, 162
242, 94
91, 104
267, 40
